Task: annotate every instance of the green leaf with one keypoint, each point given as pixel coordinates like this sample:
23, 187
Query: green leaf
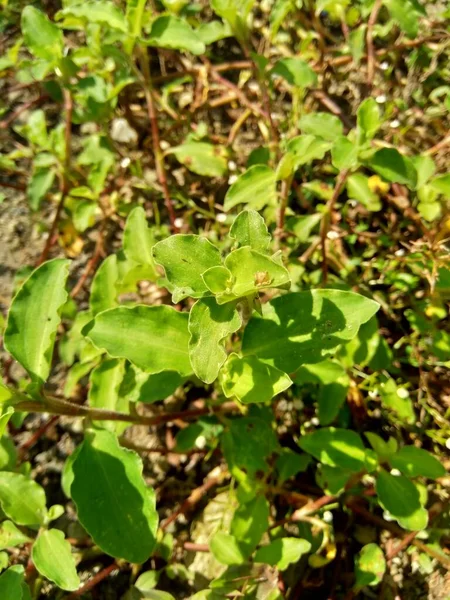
307, 148
357, 42
322, 124
336, 448
11, 536
34, 317
41, 36
255, 188
138, 386
213, 31
103, 288
416, 462
207, 429
344, 153
442, 184
112, 500
105, 381
370, 566
138, 239
290, 463
250, 229
400, 497
22, 499
282, 552
393, 166
52, 556
397, 399
278, 14
368, 119
358, 189
38, 186
252, 272
202, 158
217, 279
405, 15
330, 399
154, 338
332, 479
134, 16
209, 325
302, 227
225, 549
384, 449
304, 327
248, 443
174, 32
185, 258
12, 582
250, 521
100, 12
295, 71
252, 381
430, 211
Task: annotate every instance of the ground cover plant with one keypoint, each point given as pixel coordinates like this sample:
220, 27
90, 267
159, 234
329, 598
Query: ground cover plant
225, 284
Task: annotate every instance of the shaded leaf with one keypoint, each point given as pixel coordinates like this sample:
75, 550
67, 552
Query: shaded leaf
52, 556
400, 497
202, 158
154, 338
370, 566
295, 71
336, 448
168, 31
254, 188
282, 552
39, 185
393, 166
12, 582
248, 443
416, 462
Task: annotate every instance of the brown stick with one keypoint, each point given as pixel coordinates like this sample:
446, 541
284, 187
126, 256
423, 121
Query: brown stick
159, 158
24, 107
328, 218
284, 197
369, 40
101, 575
92, 262
29, 443
64, 177
191, 547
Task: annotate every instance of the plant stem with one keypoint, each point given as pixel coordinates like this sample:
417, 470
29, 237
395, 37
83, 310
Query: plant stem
284, 197
159, 158
327, 219
369, 41
101, 575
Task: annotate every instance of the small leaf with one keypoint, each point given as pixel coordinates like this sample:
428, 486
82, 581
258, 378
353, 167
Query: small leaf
290, 463
295, 71
174, 32
138, 239
250, 521
202, 158
252, 381
368, 119
331, 398
282, 552
103, 393
112, 500
442, 184
12, 582
52, 556
250, 229
217, 279
38, 186
404, 13
304, 327
41, 36
225, 549
400, 497
384, 449
104, 286
185, 258
254, 188
213, 31
154, 338
11, 536
370, 566
322, 124
248, 443
100, 12
335, 447
209, 325
416, 462
34, 317
138, 386
398, 400
344, 153
22, 499
393, 166
307, 148
358, 189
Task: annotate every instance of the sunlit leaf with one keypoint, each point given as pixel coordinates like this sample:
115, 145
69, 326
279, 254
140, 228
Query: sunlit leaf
52, 557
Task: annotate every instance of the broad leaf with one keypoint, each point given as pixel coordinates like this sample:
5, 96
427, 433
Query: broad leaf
322, 124
34, 317
368, 119
416, 462
282, 552
185, 258
225, 549
250, 229
290, 463
52, 556
22, 500
393, 166
304, 327
344, 153
250, 521
255, 188
253, 272
370, 566
209, 325
202, 158
100, 12
113, 503
41, 36
336, 448
11, 536
174, 32
105, 381
248, 443
400, 497
295, 71
213, 31
12, 582
358, 189
307, 148
138, 386
154, 338
252, 381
